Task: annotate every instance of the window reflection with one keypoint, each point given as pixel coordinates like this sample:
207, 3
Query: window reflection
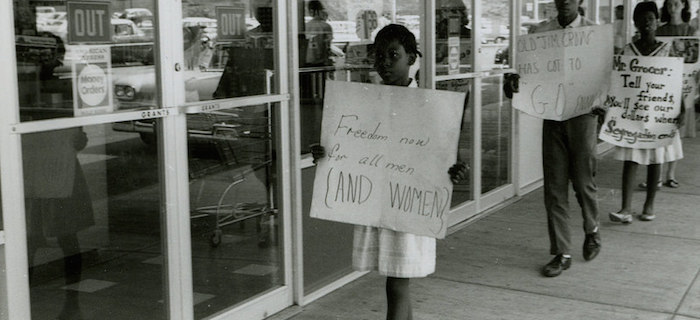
496, 30
462, 191
453, 45
86, 69
496, 124
92, 203
229, 49
236, 247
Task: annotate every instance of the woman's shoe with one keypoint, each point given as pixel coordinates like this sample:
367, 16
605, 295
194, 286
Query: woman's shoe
643, 185
647, 216
620, 217
672, 183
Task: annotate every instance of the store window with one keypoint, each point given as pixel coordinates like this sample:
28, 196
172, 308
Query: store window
496, 131
462, 190
229, 49
453, 37
80, 58
496, 34
237, 248
92, 202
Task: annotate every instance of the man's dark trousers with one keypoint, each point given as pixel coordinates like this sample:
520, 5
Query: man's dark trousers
569, 153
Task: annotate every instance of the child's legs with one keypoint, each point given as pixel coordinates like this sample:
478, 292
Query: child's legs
629, 171
653, 175
398, 298
671, 173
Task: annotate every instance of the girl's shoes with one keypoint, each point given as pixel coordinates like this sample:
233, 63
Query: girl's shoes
620, 217
643, 185
671, 183
647, 216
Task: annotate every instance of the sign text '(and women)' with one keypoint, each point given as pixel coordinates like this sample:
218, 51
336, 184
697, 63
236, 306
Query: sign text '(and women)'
351, 188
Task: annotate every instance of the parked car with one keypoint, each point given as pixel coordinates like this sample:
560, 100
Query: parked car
132, 13
131, 44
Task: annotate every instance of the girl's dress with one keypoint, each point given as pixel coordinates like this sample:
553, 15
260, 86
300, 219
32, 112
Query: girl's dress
393, 253
671, 152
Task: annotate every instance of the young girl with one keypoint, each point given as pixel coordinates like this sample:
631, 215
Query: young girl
645, 19
397, 255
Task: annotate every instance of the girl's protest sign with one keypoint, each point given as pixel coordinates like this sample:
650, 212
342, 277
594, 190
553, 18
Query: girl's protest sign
388, 149
644, 101
562, 74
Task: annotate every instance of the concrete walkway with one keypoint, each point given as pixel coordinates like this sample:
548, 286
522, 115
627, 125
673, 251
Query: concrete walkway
491, 268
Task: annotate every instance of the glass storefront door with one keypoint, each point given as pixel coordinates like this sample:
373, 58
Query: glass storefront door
121, 113
472, 40
232, 53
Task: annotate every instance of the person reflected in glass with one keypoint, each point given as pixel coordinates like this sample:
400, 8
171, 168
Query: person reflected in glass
645, 20
452, 21
399, 256
57, 200
619, 29
319, 35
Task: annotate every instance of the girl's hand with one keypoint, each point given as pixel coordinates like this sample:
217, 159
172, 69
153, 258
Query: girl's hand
317, 151
458, 172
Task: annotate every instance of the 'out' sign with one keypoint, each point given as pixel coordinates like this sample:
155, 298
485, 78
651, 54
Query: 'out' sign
230, 22
89, 22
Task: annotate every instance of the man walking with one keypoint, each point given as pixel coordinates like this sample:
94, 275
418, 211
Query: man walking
568, 153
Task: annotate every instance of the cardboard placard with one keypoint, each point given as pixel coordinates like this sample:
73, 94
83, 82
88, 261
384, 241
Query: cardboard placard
388, 149
562, 74
644, 101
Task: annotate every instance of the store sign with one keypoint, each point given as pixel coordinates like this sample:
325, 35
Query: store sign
230, 22
644, 101
92, 80
562, 74
89, 22
388, 150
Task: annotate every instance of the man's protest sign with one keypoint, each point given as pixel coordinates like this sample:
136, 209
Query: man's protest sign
687, 48
643, 102
563, 73
388, 149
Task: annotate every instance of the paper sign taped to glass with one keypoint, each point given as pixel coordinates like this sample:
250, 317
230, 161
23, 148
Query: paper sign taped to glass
388, 149
644, 101
563, 73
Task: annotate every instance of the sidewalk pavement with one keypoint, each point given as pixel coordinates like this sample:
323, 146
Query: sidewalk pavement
490, 269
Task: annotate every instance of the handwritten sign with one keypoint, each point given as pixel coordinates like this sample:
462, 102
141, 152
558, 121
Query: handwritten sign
388, 150
643, 102
687, 48
92, 80
562, 74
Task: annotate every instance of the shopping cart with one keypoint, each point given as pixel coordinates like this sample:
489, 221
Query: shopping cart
243, 151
